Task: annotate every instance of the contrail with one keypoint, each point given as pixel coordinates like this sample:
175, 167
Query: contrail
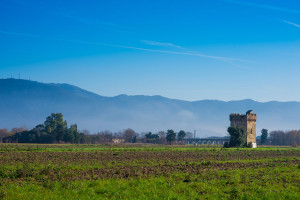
259, 5
124, 46
291, 23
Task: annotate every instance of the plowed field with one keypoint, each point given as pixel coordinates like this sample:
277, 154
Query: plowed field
51, 169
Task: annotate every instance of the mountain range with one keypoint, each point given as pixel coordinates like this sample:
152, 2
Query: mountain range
28, 103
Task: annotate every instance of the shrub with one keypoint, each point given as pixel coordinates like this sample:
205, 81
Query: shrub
238, 136
249, 145
226, 145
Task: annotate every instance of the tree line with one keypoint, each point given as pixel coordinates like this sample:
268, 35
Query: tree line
284, 138
53, 130
279, 137
130, 136
56, 130
5, 132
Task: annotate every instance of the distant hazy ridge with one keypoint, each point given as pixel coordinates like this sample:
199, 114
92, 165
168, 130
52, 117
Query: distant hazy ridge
24, 102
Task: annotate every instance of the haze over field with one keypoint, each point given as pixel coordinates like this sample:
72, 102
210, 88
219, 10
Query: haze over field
29, 103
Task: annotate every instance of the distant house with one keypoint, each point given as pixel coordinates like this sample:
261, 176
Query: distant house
118, 141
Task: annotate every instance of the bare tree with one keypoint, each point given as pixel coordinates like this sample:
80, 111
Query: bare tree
290, 138
130, 135
162, 137
189, 135
18, 130
86, 132
3, 132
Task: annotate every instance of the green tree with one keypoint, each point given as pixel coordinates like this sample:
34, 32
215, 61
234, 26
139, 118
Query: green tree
40, 127
181, 134
53, 121
171, 136
59, 132
264, 136
56, 127
77, 137
238, 136
73, 128
69, 136
152, 138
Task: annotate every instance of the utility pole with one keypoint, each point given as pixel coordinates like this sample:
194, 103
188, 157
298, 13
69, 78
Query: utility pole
195, 137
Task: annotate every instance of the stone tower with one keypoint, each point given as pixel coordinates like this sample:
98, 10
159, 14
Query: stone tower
249, 122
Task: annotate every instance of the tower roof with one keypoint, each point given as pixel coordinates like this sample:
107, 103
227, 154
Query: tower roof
249, 112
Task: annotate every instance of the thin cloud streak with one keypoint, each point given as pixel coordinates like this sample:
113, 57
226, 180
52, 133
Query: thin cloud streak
291, 23
230, 61
155, 43
262, 6
225, 59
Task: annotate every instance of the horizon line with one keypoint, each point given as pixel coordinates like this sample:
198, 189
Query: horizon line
156, 95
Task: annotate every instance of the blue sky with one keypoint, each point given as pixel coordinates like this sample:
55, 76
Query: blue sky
190, 50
